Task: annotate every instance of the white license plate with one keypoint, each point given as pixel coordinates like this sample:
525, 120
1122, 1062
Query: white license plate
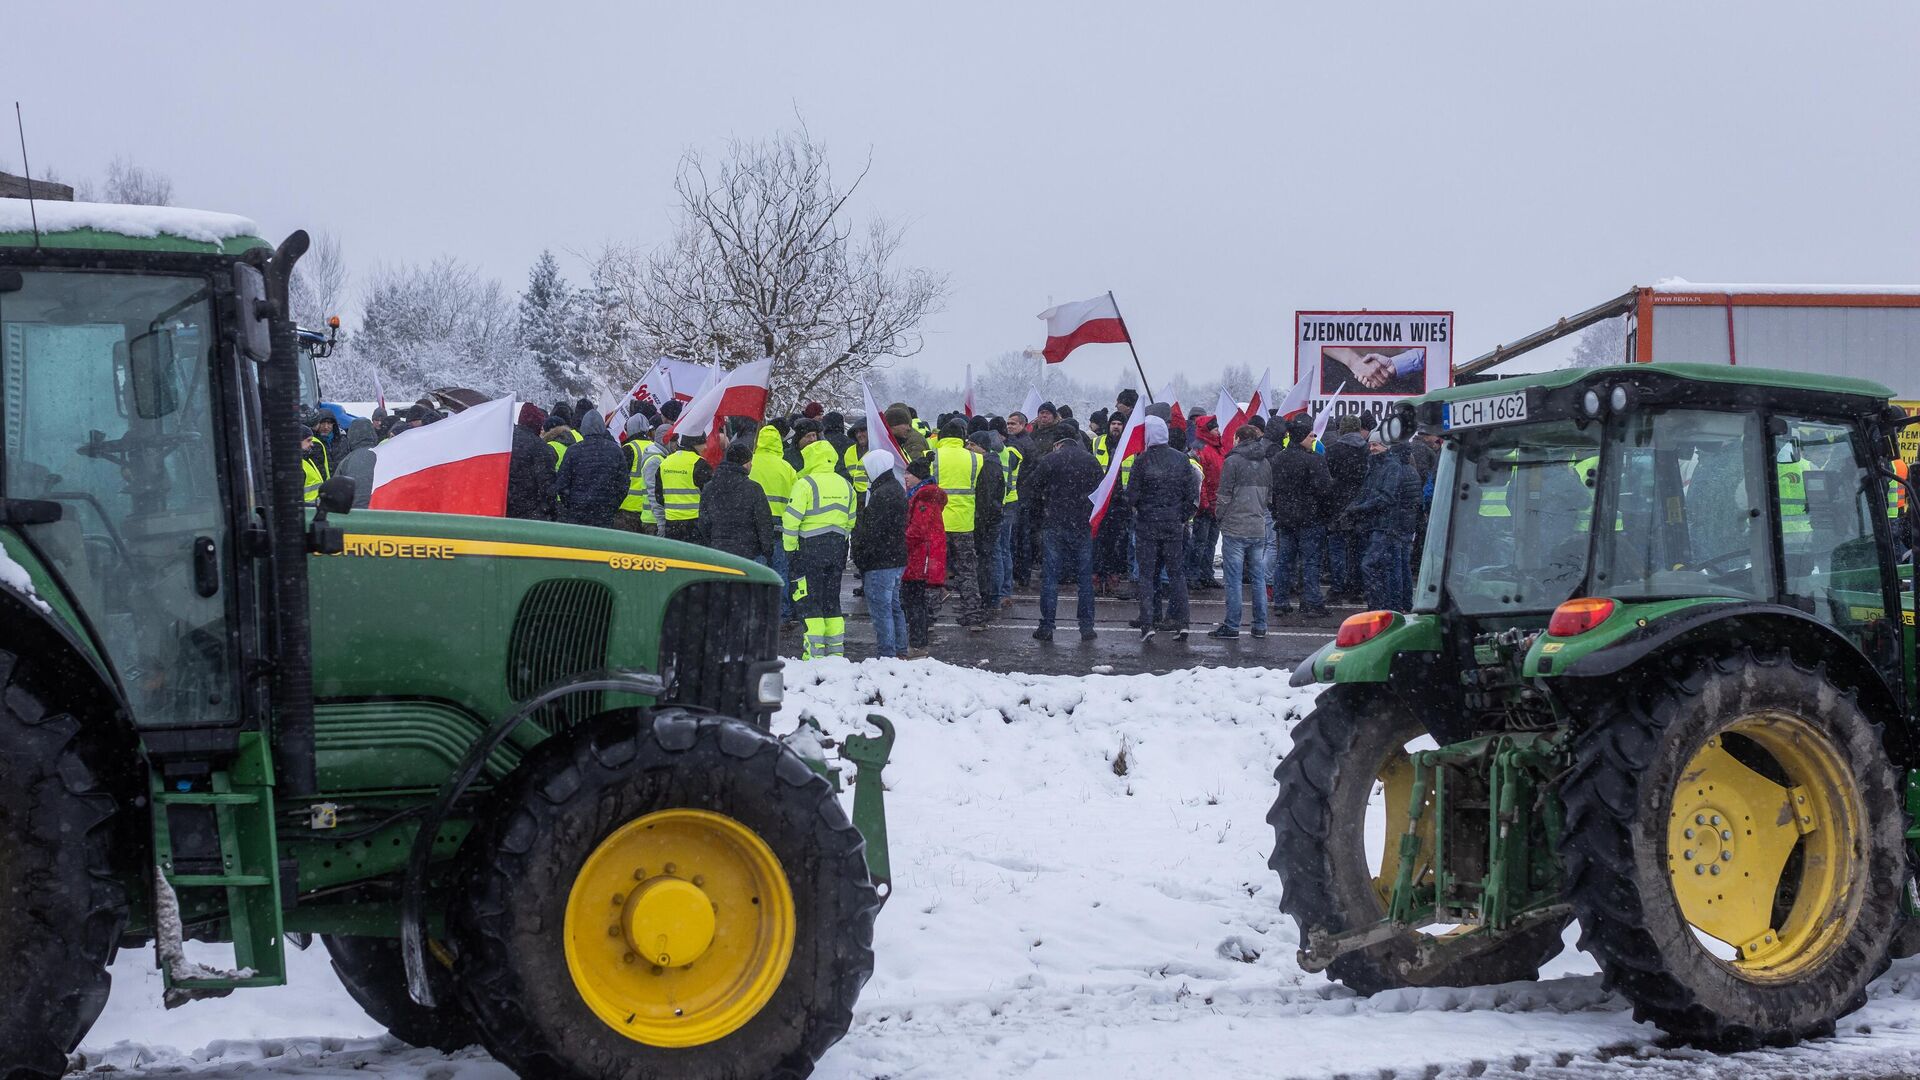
1479, 412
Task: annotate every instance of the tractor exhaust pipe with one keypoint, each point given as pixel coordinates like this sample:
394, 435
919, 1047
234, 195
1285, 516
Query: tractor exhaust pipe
293, 649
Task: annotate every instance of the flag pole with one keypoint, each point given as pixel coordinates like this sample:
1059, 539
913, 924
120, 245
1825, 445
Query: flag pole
1136, 353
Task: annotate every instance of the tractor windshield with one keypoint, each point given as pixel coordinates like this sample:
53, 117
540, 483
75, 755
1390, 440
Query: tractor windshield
110, 414
1518, 508
1684, 489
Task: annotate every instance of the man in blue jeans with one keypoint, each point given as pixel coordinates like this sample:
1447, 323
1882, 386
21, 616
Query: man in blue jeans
1058, 488
1246, 491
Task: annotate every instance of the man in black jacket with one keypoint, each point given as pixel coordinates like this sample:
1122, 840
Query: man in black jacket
989, 503
879, 552
1163, 492
1061, 484
1300, 488
593, 476
530, 473
1347, 467
733, 509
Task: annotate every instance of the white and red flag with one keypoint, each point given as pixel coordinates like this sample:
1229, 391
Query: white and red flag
454, 466
966, 402
1083, 322
1326, 414
1133, 439
741, 392
1225, 410
1256, 406
1301, 395
880, 436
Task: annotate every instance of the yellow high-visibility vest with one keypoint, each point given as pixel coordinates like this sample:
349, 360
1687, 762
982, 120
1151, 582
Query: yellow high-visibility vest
310, 494
956, 470
560, 446
1792, 478
856, 472
1010, 462
821, 501
679, 495
636, 499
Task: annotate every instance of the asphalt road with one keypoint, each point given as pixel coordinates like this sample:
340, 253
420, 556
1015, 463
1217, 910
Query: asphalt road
1008, 645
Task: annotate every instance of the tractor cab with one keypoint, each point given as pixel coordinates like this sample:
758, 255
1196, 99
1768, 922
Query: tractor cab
1658, 677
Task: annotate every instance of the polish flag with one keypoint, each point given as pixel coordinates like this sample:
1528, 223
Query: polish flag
1083, 322
1256, 406
1133, 439
966, 402
1224, 413
454, 466
677, 380
880, 436
1326, 414
1301, 395
742, 392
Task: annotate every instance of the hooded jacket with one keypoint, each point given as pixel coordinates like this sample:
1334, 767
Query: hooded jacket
1246, 491
593, 476
880, 533
733, 514
1347, 468
771, 471
1164, 490
926, 535
358, 455
1389, 501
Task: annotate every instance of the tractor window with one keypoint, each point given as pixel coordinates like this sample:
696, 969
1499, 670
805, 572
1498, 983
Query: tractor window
109, 413
1521, 500
1683, 490
1826, 525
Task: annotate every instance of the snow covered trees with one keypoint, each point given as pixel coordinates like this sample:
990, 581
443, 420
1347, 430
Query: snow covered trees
442, 324
552, 325
766, 262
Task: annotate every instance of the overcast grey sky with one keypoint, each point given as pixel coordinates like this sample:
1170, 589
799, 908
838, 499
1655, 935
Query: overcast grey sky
1216, 165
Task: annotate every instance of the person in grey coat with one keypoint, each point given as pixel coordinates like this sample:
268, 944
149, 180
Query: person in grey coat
1243, 507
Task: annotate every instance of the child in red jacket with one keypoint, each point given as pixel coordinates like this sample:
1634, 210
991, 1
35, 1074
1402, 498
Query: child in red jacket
926, 554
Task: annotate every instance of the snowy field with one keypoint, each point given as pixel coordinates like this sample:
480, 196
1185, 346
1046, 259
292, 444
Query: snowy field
1059, 912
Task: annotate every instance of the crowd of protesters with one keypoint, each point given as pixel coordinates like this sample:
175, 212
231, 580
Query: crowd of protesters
979, 506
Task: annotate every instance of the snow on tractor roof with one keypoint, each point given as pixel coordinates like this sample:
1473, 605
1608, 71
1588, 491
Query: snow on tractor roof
109, 225
1682, 285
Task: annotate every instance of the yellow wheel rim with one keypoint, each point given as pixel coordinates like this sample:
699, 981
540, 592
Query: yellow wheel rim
1765, 866
679, 928
1396, 786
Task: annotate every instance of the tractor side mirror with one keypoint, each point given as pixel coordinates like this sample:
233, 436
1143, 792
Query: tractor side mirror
336, 495
256, 333
153, 372
12, 281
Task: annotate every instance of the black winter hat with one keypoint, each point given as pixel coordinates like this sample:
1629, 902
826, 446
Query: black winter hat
1098, 419
1046, 406
670, 411
978, 423
804, 425
1127, 399
740, 452
955, 427
834, 422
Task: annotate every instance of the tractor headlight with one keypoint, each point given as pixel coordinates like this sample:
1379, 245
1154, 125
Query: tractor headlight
1591, 403
770, 689
1620, 397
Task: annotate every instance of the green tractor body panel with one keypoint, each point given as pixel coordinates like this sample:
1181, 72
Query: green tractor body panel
1551, 656
46, 589
1371, 661
427, 627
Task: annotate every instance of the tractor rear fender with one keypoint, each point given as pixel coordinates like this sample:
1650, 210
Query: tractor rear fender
32, 630
1714, 629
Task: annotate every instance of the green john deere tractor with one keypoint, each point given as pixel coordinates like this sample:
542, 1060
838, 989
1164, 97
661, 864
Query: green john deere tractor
515, 776
1658, 678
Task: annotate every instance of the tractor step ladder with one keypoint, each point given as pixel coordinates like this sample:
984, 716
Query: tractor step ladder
241, 797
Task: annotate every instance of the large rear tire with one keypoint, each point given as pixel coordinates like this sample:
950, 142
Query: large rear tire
1735, 851
1354, 738
666, 895
61, 908
376, 977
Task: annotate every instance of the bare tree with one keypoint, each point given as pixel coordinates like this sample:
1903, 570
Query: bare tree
442, 324
766, 262
128, 183
319, 286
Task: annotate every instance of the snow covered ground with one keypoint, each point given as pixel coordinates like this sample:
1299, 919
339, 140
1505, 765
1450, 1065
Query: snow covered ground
1081, 890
